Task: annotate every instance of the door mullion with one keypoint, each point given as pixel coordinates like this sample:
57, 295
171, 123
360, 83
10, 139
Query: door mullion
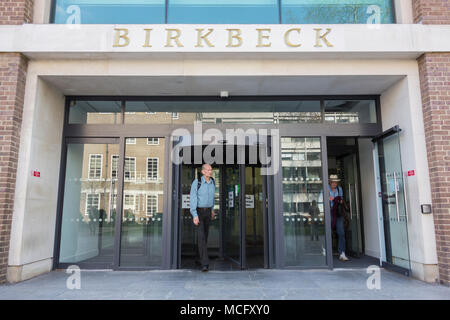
118, 222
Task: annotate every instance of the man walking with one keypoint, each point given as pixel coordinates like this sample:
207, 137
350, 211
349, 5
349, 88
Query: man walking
202, 210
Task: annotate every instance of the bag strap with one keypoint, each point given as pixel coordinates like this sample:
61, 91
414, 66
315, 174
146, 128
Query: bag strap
199, 182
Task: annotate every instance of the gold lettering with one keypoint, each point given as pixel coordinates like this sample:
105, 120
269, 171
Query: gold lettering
118, 36
322, 37
287, 40
147, 38
175, 37
262, 37
236, 35
201, 37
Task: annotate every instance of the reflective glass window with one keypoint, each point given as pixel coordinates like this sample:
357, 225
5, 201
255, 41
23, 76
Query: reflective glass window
350, 111
109, 11
303, 209
95, 112
337, 11
223, 11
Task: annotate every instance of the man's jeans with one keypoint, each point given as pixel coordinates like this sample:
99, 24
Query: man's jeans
341, 234
204, 217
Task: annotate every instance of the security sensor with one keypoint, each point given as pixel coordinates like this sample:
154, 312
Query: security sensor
224, 94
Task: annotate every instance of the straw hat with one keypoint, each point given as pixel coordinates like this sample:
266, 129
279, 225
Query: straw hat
334, 177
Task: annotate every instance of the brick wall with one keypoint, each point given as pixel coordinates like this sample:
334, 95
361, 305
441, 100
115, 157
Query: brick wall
12, 90
434, 69
16, 11
13, 68
431, 11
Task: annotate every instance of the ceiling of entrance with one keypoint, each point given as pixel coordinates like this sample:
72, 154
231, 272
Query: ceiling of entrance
211, 86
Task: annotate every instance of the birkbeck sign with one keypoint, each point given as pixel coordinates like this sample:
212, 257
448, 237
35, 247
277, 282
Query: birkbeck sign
211, 38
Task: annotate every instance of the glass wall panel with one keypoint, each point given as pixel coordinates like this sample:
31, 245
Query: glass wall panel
109, 11
337, 11
95, 112
303, 209
350, 111
141, 242
89, 207
223, 11
217, 112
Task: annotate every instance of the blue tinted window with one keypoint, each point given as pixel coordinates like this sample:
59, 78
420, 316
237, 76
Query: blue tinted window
337, 11
223, 11
109, 11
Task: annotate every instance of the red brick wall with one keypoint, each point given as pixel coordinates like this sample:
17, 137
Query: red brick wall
434, 71
16, 11
431, 11
435, 86
12, 90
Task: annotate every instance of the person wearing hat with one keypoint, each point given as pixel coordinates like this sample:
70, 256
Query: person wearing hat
336, 197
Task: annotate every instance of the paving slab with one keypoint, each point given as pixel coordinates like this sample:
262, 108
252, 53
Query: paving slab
224, 285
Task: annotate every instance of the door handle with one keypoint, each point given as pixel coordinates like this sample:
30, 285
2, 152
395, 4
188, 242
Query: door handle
350, 197
405, 196
396, 196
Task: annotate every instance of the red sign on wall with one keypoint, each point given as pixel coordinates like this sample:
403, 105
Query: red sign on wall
411, 173
36, 174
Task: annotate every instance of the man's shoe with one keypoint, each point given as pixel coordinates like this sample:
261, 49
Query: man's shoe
343, 257
204, 268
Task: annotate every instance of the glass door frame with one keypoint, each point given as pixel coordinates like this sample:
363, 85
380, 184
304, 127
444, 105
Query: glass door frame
385, 241
267, 206
123, 130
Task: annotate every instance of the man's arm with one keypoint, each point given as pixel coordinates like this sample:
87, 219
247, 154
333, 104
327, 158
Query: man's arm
193, 199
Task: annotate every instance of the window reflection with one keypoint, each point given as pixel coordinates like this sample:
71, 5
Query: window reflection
350, 111
89, 206
141, 243
337, 11
303, 210
95, 112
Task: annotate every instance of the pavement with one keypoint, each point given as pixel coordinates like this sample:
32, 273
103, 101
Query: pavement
341, 284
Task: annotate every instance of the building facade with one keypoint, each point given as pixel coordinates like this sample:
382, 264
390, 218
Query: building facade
107, 109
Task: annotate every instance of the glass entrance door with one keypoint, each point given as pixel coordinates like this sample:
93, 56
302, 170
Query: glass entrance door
351, 193
89, 203
232, 235
393, 195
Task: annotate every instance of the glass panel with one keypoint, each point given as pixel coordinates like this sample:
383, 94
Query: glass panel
303, 210
223, 11
337, 11
350, 111
95, 112
393, 199
187, 112
87, 233
109, 11
232, 219
254, 210
141, 243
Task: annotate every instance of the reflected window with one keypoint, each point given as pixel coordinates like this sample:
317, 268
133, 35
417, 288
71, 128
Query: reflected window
152, 169
130, 168
152, 141
114, 166
152, 205
337, 11
95, 166
95, 112
92, 203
